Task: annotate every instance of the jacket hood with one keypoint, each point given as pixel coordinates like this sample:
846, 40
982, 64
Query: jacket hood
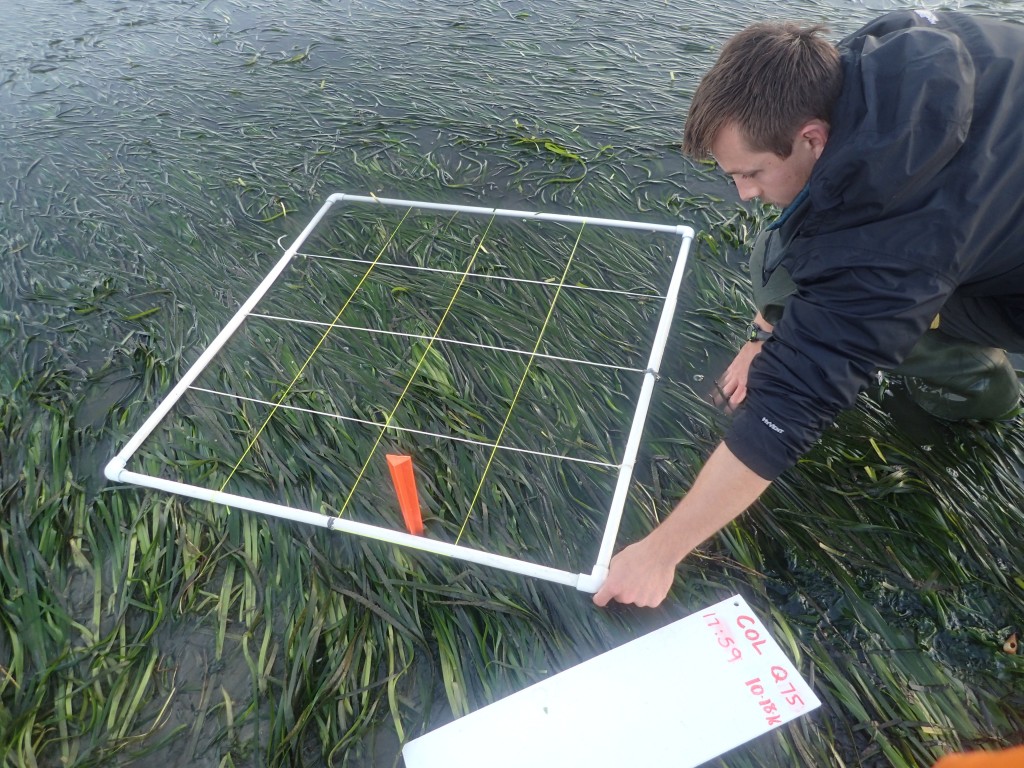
894, 135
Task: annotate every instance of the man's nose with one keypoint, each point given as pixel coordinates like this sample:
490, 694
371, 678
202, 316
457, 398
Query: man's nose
746, 190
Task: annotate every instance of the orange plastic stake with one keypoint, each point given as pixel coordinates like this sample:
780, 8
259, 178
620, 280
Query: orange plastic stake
405, 487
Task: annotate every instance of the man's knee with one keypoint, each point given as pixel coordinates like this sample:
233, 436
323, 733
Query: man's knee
954, 379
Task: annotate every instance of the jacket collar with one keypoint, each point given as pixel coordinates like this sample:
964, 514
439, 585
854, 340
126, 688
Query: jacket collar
790, 209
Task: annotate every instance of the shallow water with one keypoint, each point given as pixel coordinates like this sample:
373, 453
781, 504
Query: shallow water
153, 154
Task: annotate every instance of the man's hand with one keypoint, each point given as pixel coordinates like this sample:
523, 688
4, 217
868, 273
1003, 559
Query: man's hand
643, 573
731, 386
639, 574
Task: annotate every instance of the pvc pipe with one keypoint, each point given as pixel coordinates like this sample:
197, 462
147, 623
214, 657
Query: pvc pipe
678, 229
115, 469
348, 526
668, 309
215, 346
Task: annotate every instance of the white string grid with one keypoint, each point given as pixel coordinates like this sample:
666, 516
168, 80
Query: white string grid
486, 343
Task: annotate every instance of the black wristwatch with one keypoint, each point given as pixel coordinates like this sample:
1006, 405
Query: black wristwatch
756, 333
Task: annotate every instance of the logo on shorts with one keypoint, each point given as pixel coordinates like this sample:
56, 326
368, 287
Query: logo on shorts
772, 425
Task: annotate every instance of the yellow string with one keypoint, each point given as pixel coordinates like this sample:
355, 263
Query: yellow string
419, 363
522, 382
319, 344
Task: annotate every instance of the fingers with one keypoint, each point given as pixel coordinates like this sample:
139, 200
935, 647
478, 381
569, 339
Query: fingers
609, 590
725, 387
738, 396
634, 578
718, 396
728, 393
641, 599
731, 386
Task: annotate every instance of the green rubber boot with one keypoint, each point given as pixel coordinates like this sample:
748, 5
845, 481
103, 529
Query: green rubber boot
953, 379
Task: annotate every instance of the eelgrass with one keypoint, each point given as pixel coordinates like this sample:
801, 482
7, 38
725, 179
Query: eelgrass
141, 629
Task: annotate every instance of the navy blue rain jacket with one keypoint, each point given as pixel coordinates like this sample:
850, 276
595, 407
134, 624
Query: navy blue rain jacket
916, 201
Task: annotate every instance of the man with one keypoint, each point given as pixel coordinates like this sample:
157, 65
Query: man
898, 161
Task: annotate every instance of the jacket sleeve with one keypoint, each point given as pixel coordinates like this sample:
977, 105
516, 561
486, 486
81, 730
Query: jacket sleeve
841, 327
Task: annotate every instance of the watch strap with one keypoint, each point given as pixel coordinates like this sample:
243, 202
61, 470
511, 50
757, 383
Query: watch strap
756, 333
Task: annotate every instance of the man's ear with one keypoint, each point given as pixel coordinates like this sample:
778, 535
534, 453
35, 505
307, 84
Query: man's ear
815, 132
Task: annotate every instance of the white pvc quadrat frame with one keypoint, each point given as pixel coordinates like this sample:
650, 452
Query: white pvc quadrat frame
116, 469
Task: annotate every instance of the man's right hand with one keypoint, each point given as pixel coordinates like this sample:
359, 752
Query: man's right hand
641, 574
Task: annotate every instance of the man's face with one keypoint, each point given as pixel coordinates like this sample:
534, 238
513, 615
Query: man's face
765, 175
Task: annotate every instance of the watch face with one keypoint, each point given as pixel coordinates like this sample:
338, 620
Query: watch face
757, 333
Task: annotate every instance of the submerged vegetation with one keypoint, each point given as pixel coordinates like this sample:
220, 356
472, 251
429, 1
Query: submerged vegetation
152, 160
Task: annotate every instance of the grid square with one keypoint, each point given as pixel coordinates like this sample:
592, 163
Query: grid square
471, 338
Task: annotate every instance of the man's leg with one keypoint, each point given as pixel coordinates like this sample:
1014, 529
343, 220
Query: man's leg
954, 379
949, 378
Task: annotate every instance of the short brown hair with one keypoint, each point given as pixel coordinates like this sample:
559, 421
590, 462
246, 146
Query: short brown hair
770, 79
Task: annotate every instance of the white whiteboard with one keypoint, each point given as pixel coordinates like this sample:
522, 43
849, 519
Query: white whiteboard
678, 696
